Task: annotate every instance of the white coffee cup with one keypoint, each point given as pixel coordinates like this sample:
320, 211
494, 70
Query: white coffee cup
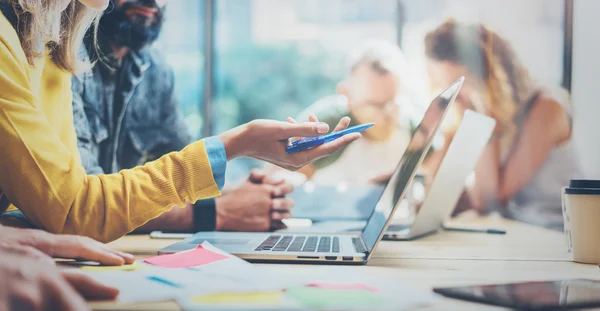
581, 208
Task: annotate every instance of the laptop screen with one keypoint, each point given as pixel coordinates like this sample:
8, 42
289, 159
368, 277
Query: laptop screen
417, 149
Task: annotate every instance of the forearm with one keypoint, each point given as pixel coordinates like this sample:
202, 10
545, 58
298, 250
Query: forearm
233, 142
106, 207
172, 180
547, 125
200, 216
522, 166
484, 187
177, 220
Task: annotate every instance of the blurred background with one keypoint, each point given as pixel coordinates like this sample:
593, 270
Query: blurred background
248, 59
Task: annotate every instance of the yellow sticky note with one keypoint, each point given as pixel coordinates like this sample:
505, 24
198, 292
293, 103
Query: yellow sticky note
261, 298
127, 268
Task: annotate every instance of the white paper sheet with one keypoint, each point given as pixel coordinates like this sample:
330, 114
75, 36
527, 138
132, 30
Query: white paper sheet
236, 284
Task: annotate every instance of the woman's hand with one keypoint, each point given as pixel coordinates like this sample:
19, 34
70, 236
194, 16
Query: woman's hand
266, 140
31, 281
64, 246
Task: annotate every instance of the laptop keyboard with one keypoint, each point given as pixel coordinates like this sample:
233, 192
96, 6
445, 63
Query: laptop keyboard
278, 243
297, 244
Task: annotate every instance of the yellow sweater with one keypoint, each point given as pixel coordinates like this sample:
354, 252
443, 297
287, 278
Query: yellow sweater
40, 168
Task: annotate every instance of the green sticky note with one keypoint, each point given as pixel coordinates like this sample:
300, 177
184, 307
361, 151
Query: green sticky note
324, 298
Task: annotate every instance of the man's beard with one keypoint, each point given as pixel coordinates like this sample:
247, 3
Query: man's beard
117, 27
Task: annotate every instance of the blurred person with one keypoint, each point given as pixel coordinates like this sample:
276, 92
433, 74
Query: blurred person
30, 279
530, 156
42, 174
126, 114
374, 90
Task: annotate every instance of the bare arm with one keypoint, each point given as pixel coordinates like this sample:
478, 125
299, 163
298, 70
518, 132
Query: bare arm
175, 220
485, 185
546, 127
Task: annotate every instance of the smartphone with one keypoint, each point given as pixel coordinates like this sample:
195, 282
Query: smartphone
311, 142
169, 236
552, 295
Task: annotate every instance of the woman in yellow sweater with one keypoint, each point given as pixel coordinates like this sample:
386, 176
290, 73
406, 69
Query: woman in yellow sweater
40, 170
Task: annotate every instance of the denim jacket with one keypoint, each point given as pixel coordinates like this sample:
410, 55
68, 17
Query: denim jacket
148, 126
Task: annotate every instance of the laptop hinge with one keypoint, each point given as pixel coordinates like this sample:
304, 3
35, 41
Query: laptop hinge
360, 246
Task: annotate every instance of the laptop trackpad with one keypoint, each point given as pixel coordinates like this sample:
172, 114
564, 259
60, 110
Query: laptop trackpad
221, 241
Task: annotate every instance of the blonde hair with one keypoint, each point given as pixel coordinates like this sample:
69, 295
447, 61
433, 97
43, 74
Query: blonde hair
382, 56
508, 84
43, 26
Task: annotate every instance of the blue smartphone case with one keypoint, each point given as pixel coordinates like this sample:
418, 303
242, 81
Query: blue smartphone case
311, 142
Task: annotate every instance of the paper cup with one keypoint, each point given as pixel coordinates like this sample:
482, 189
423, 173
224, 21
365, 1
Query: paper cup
581, 208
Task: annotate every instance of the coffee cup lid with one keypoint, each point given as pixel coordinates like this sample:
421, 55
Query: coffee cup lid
584, 183
588, 191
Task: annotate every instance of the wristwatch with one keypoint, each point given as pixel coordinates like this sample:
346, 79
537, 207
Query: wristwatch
205, 215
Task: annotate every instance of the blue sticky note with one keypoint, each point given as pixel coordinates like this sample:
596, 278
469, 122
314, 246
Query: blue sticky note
163, 281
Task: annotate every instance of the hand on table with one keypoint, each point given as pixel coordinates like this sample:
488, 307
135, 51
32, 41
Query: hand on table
31, 281
267, 140
64, 246
257, 205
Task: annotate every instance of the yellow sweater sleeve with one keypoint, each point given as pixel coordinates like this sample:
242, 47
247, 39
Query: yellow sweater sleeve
42, 175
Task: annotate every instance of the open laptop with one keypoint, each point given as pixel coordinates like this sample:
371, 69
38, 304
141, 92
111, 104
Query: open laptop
448, 182
436, 198
334, 248
442, 194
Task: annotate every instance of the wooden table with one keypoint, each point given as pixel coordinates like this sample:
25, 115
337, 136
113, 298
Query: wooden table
525, 253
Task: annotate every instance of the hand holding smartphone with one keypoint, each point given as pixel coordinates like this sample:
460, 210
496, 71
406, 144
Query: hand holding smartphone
311, 142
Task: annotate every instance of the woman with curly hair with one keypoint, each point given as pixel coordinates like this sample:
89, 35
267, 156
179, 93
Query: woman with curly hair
530, 157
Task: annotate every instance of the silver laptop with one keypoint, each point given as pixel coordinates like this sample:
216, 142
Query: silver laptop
436, 198
448, 183
335, 248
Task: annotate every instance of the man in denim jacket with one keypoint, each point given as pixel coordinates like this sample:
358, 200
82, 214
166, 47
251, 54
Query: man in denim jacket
126, 114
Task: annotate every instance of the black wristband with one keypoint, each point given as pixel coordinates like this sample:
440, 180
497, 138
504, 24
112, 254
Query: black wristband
205, 215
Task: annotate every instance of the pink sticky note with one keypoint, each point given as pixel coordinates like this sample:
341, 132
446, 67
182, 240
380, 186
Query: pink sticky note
348, 286
196, 257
